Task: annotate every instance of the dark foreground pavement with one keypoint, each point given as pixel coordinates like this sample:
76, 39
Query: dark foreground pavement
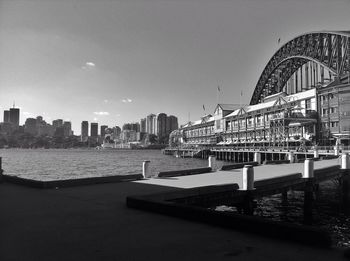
93, 223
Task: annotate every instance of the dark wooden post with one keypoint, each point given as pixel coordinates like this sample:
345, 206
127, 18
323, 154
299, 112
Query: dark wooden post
1, 171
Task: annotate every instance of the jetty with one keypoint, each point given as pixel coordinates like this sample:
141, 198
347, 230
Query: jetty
92, 222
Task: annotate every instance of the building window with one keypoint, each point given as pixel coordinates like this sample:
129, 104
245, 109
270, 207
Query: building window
308, 104
333, 110
334, 124
324, 112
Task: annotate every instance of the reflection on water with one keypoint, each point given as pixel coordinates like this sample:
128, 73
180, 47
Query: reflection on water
53, 164
326, 213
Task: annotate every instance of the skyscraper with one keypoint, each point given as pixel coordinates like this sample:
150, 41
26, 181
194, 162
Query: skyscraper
173, 123
94, 129
150, 124
161, 125
84, 131
14, 117
143, 125
7, 116
57, 123
67, 126
103, 130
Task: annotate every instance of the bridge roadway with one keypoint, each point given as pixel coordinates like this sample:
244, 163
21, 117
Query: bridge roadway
221, 177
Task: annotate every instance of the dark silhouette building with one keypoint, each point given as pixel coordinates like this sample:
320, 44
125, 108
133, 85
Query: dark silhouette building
84, 131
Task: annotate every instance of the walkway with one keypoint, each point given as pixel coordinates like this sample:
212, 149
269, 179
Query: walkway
234, 176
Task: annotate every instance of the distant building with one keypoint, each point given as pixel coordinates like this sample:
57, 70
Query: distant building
103, 130
116, 133
151, 124
6, 116
94, 129
173, 124
57, 124
67, 126
161, 125
143, 125
14, 117
84, 131
30, 126
128, 136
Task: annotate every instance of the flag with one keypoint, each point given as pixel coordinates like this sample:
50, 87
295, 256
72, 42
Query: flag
203, 107
241, 93
279, 40
219, 88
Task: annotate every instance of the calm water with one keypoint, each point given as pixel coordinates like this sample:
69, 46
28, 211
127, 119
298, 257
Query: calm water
53, 164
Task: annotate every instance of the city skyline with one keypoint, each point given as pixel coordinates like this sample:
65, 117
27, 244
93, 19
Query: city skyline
63, 60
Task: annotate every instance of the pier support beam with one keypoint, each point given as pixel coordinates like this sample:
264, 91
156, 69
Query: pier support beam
345, 182
1, 178
257, 157
146, 173
212, 163
308, 190
336, 150
316, 152
291, 157
248, 185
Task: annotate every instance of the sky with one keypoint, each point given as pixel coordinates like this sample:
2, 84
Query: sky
114, 62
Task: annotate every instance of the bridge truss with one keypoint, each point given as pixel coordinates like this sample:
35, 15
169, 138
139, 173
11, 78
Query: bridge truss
309, 60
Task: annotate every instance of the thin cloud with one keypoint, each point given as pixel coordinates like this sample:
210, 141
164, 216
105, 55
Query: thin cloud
127, 100
105, 101
101, 113
88, 66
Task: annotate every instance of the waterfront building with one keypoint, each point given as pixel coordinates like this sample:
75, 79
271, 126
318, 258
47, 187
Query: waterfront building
143, 125
84, 131
103, 130
57, 123
94, 129
6, 116
301, 98
151, 124
128, 136
172, 124
67, 127
14, 117
116, 133
161, 125
30, 126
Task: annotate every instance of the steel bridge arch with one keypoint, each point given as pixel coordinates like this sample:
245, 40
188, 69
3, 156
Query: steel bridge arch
330, 49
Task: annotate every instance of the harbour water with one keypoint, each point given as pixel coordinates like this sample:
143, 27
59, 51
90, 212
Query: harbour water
57, 164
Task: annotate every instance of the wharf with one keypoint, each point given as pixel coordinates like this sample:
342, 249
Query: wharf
93, 223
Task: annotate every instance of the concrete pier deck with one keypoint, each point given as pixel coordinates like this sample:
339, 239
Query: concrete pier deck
221, 177
93, 223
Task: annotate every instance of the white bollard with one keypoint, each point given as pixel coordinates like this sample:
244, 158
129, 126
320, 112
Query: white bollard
145, 169
316, 152
345, 161
308, 169
291, 156
336, 150
248, 177
257, 157
212, 163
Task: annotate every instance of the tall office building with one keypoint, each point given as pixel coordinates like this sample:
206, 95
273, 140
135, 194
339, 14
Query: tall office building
67, 127
103, 130
173, 123
161, 125
151, 124
6, 116
143, 125
14, 117
57, 123
84, 131
94, 129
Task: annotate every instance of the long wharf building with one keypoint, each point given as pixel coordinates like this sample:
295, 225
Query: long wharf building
302, 96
